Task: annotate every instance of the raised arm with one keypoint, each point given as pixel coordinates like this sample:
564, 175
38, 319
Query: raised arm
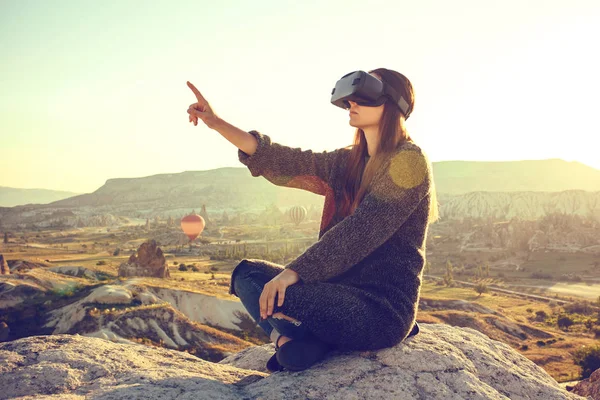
291, 166
281, 165
397, 189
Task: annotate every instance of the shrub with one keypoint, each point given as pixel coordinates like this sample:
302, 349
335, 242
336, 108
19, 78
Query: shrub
540, 343
101, 262
596, 331
524, 347
571, 277
589, 324
564, 322
481, 288
448, 281
66, 291
541, 315
214, 268
117, 252
579, 307
541, 275
195, 269
588, 358
182, 267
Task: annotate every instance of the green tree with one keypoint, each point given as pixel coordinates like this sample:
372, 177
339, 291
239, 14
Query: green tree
479, 273
448, 276
588, 358
427, 268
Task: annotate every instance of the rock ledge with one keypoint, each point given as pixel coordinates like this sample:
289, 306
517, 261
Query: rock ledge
442, 362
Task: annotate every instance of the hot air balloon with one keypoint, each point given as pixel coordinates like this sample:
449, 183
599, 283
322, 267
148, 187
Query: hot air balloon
297, 214
192, 225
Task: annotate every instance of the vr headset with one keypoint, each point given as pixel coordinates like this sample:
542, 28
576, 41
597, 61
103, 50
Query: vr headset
366, 90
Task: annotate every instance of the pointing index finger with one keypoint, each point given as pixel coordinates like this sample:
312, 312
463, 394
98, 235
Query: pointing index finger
199, 96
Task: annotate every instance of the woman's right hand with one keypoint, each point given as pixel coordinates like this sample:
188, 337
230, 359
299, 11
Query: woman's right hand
201, 109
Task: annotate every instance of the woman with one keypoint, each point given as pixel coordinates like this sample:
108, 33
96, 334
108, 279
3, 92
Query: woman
358, 286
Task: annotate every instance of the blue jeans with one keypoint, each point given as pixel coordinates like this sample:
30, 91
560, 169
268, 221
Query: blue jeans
248, 284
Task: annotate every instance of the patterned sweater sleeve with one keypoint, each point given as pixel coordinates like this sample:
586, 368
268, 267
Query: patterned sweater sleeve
403, 181
290, 166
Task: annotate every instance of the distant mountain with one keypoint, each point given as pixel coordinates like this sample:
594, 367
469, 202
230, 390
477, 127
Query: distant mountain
553, 175
527, 189
10, 197
230, 185
220, 188
525, 204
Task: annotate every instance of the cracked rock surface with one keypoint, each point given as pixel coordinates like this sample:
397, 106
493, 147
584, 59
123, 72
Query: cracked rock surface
441, 362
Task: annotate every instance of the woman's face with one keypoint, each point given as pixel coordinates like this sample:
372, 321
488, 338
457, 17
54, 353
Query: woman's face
365, 116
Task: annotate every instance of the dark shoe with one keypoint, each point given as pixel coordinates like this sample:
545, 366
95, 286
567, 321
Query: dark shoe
273, 365
299, 354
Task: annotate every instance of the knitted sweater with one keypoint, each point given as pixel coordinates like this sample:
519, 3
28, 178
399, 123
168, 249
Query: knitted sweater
376, 253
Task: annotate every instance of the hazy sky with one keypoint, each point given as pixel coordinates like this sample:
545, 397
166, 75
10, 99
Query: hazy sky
93, 90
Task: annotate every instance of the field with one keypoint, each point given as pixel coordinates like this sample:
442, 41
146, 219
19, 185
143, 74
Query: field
546, 344
554, 353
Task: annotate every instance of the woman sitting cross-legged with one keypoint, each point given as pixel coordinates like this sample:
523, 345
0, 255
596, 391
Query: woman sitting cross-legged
358, 286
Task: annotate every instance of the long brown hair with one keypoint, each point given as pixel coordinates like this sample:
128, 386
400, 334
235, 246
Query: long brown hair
392, 133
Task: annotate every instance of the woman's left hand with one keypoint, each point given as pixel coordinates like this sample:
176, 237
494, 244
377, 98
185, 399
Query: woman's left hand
276, 286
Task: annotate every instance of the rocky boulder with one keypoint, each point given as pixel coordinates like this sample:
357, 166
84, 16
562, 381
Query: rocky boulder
427, 304
4, 331
442, 362
24, 265
110, 294
14, 292
149, 261
589, 387
78, 272
4, 270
